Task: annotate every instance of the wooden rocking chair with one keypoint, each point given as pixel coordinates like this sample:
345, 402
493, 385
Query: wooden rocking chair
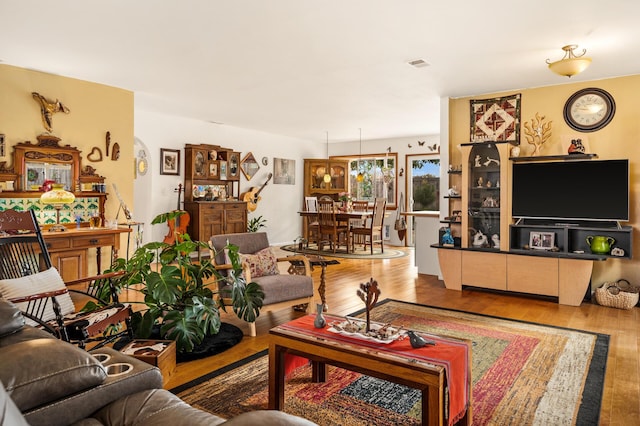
28, 279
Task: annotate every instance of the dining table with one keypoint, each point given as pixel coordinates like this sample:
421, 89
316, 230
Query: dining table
343, 216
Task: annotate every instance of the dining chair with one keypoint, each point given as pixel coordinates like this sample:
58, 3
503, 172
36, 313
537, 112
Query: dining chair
311, 235
372, 232
359, 206
329, 229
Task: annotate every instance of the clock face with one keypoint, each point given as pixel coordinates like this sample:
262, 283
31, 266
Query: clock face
589, 110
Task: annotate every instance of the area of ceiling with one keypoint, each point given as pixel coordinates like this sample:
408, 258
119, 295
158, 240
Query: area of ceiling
301, 68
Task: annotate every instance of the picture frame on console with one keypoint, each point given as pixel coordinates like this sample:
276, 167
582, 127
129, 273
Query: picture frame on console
541, 240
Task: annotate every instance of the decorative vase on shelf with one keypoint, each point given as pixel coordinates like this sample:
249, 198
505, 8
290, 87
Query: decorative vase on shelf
319, 321
515, 151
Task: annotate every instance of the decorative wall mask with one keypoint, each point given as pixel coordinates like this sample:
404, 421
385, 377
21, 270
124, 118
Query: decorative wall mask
48, 108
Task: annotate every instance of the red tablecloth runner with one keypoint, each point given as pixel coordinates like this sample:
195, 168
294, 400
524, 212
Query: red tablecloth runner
453, 355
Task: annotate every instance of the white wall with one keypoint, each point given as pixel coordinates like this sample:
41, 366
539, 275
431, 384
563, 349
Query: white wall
154, 193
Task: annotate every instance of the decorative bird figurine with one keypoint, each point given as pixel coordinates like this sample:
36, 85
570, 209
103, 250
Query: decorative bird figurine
421, 143
418, 341
409, 145
48, 108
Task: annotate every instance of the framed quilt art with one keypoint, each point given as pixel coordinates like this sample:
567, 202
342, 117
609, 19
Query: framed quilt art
496, 119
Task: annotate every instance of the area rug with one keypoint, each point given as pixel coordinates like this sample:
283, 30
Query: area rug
389, 253
522, 374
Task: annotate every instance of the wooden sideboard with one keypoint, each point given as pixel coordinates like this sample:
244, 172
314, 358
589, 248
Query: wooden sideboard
210, 218
69, 250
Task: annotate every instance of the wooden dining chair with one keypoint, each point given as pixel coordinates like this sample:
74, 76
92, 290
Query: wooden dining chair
311, 235
329, 229
373, 231
359, 206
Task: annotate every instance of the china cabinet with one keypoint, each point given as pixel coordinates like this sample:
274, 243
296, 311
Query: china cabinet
314, 177
211, 182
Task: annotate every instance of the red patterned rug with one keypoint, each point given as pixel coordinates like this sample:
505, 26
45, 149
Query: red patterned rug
523, 373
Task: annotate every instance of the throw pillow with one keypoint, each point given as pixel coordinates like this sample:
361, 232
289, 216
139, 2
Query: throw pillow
261, 263
40, 282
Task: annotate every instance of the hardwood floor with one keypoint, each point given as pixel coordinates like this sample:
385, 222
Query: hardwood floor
398, 279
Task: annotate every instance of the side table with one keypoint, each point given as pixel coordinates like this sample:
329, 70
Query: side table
161, 353
315, 260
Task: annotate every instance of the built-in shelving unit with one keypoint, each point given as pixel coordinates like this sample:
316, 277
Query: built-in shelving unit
562, 270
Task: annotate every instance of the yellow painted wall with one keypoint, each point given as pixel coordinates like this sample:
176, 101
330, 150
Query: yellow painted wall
95, 109
620, 139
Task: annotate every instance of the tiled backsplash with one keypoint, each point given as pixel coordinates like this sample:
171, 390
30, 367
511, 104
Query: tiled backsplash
84, 207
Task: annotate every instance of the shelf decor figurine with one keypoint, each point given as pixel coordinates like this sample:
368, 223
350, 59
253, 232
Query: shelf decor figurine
447, 238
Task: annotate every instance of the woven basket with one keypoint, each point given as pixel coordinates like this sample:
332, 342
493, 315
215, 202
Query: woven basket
617, 294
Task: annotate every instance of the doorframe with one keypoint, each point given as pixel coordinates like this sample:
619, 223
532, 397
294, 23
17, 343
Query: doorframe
408, 176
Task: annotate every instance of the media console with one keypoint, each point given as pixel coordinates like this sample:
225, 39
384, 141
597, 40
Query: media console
564, 200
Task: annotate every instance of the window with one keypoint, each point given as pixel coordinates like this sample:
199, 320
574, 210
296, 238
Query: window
379, 178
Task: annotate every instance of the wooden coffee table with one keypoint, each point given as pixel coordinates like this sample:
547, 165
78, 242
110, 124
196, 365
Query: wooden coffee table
392, 362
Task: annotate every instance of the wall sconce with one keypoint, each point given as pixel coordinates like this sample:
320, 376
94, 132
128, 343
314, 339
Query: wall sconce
570, 64
57, 197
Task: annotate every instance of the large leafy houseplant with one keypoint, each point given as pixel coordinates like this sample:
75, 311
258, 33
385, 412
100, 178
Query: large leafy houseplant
178, 292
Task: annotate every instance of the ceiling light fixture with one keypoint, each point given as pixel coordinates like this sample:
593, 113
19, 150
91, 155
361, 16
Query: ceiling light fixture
360, 176
570, 64
327, 176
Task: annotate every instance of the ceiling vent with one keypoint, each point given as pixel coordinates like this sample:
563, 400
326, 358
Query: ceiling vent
418, 63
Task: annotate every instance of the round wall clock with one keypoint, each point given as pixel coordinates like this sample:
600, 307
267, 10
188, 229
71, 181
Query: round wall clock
589, 109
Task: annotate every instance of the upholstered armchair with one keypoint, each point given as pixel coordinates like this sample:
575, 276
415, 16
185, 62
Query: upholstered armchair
260, 265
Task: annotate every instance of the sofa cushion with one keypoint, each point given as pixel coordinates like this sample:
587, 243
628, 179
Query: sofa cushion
11, 319
41, 282
262, 263
9, 413
156, 407
39, 371
279, 288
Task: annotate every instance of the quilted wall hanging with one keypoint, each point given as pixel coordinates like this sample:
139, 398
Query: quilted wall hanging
496, 119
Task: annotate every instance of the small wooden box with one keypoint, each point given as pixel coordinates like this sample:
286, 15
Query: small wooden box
161, 353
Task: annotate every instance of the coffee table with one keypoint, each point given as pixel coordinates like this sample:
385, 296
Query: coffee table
431, 369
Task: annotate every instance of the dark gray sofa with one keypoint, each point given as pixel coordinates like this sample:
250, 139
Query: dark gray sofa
45, 381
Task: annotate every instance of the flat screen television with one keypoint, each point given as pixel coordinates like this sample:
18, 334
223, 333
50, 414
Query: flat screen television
571, 190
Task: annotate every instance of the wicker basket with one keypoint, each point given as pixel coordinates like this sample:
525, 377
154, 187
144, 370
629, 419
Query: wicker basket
618, 294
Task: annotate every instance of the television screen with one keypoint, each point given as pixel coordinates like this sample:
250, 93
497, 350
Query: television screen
580, 190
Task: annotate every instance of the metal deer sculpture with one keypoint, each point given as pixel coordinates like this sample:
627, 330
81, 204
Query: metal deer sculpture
369, 293
48, 108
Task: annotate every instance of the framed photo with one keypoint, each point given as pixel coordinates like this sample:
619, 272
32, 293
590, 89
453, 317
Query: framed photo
214, 170
542, 240
223, 170
169, 161
284, 171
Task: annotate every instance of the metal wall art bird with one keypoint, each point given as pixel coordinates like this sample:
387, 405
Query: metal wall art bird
48, 108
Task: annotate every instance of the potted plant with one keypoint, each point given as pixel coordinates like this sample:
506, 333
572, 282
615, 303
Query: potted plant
255, 223
177, 289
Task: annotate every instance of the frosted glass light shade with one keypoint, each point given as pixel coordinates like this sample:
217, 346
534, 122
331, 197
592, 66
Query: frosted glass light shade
57, 196
569, 67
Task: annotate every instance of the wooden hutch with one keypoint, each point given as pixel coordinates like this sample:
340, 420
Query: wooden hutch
212, 185
36, 165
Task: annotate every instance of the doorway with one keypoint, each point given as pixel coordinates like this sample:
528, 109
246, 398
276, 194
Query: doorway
423, 188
